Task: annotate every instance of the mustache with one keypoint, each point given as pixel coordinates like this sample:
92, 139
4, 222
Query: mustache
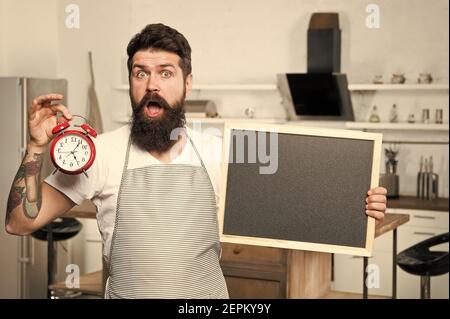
152, 97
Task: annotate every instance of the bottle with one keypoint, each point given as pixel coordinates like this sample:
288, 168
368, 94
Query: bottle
438, 116
374, 118
425, 116
393, 117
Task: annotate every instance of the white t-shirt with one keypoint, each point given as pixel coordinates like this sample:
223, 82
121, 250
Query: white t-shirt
102, 185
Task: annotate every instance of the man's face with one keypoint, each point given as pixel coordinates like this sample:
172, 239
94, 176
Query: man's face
157, 92
157, 71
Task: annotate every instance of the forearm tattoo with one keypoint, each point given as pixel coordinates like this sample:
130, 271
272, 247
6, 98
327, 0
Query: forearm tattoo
25, 189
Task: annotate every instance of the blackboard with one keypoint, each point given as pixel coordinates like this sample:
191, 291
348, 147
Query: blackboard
298, 188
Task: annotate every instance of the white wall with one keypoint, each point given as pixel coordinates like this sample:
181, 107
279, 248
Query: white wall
30, 38
2, 37
104, 30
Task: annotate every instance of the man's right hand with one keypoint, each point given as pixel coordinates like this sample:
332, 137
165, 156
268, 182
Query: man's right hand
42, 118
27, 199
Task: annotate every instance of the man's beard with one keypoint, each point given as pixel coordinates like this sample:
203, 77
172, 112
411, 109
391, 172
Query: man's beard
154, 134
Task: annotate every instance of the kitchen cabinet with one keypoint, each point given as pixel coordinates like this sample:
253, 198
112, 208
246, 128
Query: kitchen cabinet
423, 224
254, 272
273, 273
348, 273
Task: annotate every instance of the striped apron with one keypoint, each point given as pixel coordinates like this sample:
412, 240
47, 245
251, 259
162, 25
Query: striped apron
166, 241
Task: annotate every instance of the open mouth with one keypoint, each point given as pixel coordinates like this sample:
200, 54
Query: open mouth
153, 109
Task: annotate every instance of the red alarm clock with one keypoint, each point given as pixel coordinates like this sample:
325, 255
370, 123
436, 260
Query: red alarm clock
73, 151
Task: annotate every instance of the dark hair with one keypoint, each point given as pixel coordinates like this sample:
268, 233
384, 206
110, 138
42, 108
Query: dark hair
162, 37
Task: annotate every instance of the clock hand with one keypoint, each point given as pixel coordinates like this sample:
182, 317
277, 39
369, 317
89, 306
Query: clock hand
76, 159
79, 142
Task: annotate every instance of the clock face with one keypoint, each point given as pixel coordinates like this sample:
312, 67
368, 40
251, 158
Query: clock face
72, 152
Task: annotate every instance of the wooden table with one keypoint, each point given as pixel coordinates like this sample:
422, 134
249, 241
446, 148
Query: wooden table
390, 222
311, 271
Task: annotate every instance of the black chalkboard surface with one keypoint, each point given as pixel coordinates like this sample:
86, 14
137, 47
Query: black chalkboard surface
298, 188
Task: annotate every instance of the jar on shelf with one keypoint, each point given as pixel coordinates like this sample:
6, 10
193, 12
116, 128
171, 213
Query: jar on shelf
393, 116
374, 117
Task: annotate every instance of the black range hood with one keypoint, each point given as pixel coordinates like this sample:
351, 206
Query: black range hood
322, 93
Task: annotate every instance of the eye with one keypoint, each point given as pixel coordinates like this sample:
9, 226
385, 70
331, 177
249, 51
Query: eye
141, 74
166, 74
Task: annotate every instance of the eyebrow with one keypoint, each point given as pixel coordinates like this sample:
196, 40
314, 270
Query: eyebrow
167, 65
141, 66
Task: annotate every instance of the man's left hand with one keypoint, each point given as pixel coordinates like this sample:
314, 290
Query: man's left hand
376, 203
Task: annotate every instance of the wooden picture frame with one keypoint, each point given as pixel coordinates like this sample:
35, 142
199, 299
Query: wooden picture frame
372, 142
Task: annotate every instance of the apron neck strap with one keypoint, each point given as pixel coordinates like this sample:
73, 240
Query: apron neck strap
127, 155
195, 149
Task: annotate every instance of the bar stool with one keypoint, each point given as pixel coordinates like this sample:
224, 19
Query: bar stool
419, 260
60, 229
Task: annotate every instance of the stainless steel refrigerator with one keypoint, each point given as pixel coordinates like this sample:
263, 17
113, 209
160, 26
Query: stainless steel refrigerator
23, 259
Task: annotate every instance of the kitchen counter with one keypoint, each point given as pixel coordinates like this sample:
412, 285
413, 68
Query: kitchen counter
412, 202
390, 222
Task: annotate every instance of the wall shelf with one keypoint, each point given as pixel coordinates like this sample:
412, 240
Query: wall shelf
208, 120
274, 87
397, 126
224, 120
342, 125
235, 87
398, 87
222, 87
